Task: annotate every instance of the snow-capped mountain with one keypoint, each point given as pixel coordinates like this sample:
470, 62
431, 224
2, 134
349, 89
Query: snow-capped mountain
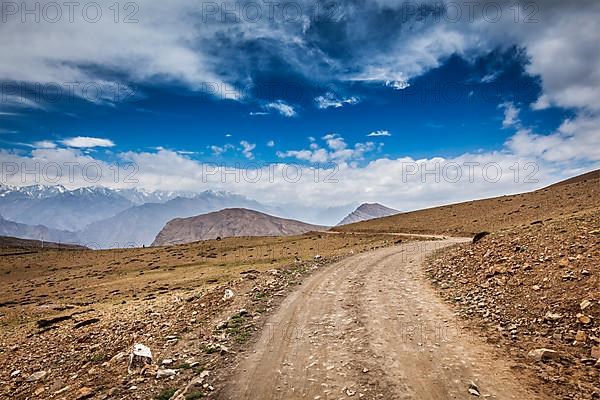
57, 207
141, 196
31, 192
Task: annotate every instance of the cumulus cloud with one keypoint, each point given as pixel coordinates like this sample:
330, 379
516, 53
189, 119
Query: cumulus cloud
247, 149
511, 115
405, 183
336, 150
271, 143
330, 100
44, 144
379, 133
87, 142
282, 108
219, 150
576, 140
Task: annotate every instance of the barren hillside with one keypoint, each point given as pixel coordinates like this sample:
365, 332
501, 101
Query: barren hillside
368, 211
232, 222
533, 287
574, 195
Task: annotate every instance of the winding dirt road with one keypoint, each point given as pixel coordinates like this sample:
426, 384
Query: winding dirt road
370, 327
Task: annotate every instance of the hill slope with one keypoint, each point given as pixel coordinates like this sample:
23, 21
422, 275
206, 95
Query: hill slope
367, 211
229, 223
8, 242
35, 232
573, 195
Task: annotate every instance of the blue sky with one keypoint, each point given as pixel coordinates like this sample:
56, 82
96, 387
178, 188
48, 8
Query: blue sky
353, 84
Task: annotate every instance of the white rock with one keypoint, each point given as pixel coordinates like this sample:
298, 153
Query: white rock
474, 390
140, 356
36, 376
167, 361
228, 294
550, 316
165, 373
15, 373
585, 304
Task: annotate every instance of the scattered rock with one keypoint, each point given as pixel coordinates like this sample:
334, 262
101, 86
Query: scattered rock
229, 294
36, 376
479, 236
550, 316
584, 319
585, 304
15, 373
596, 352
165, 373
581, 336
543, 355
140, 357
474, 390
84, 393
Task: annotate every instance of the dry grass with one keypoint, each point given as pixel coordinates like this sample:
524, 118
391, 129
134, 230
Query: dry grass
52, 278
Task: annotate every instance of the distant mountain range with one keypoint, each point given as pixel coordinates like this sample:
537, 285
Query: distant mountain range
139, 225
233, 222
99, 217
368, 211
35, 232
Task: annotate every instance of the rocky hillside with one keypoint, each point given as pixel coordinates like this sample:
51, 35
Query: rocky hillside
368, 211
232, 222
574, 195
534, 287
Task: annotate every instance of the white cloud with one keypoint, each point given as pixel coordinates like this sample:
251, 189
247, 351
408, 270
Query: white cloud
45, 144
87, 142
379, 133
247, 149
511, 115
218, 150
336, 150
575, 140
271, 143
397, 85
330, 100
404, 183
282, 108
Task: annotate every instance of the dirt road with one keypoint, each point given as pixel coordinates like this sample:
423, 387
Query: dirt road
370, 327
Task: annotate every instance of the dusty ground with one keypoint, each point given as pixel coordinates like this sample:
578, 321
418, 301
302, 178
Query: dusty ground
534, 287
370, 326
74, 315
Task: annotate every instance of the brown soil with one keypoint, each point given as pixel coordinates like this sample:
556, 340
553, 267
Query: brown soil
370, 326
526, 288
75, 314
